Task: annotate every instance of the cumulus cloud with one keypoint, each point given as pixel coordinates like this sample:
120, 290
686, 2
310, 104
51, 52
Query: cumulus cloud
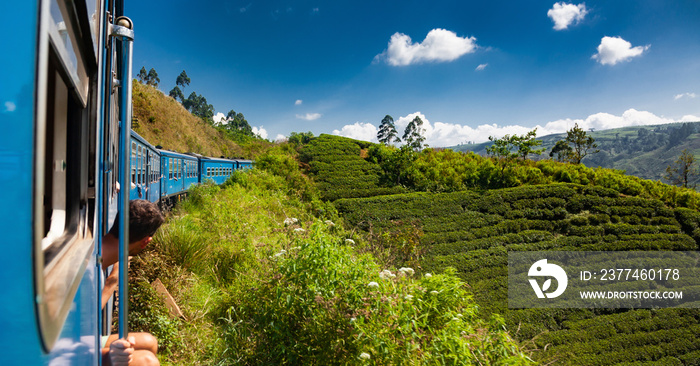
260, 131
481, 67
563, 14
298, 102
309, 116
439, 134
219, 118
685, 95
615, 49
359, 131
280, 138
440, 45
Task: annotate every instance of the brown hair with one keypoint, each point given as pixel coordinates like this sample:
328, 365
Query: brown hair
144, 220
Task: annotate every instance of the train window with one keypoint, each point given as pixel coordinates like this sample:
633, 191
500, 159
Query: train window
62, 225
170, 168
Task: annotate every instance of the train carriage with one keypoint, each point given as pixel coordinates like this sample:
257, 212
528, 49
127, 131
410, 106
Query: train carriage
244, 164
217, 170
145, 170
179, 173
66, 79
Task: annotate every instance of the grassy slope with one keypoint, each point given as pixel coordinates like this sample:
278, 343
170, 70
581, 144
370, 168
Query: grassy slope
643, 164
473, 232
163, 121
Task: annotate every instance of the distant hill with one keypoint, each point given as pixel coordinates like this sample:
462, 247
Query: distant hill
642, 151
163, 121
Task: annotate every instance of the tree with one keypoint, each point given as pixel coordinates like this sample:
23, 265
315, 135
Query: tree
511, 147
176, 94
526, 144
387, 131
237, 122
152, 78
182, 80
562, 150
143, 75
198, 106
683, 170
582, 144
413, 135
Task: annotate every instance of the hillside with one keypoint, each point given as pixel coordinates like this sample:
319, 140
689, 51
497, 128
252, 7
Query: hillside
642, 151
469, 216
163, 121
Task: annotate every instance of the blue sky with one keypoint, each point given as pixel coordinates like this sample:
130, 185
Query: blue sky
469, 69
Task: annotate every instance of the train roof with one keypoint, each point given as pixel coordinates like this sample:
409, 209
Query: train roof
217, 160
177, 155
143, 140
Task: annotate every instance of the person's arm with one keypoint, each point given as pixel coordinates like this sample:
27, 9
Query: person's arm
111, 284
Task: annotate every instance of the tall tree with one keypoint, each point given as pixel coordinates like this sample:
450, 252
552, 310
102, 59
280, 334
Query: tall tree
562, 150
683, 170
237, 122
153, 79
182, 80
143, 75
176, 94
582, 144
526, 144
413, 134
198, 106
387, 131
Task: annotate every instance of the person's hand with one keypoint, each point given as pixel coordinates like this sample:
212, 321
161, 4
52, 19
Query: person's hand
120, 351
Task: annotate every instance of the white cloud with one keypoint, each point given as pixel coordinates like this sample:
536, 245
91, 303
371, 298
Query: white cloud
280, 138
440, 45
615, 49
685, 95
359, 131
309, 116
440, 134
219, 118
260, 131
563, 14
298, 102
481, 67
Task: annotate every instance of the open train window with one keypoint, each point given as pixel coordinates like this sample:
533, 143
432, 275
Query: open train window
63, 155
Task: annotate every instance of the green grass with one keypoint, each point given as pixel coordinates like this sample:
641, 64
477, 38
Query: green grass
256, 290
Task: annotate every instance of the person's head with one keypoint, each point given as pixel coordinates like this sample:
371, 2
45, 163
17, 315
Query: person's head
144, 220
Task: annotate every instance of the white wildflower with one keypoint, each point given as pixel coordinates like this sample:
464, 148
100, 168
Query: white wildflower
407, 271
352, 320
299, 230
434, 292
365, 356
294, 248
386, 274
428, 275
290, 221
282, 252
455, 319
349, 241
408, 297
373, 284
459, 315
329, 223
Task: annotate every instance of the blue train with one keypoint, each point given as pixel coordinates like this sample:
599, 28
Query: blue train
165, 176
69, 164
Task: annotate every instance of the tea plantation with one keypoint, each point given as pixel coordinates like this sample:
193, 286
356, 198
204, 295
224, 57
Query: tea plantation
473, 230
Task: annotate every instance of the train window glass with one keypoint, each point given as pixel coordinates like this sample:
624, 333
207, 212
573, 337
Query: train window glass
63, 37
170, 168
139, 164
62, 232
